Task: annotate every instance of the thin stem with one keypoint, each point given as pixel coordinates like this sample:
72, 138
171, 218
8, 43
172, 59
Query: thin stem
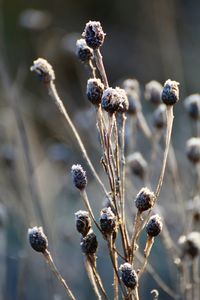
53, 93
55, 271
147, 251
100, 66
123, 164
93, 69
91, 278
142, 123
137, 229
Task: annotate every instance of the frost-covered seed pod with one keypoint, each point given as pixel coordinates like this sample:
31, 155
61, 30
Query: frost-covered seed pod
93, 34
37, 239
192, 105
94, 90
83, 52
154, 226
107, 221
79, 177
89, 243
43, 70
83, 222
129, 276
193, 150
145, 199
153, 91
170, 93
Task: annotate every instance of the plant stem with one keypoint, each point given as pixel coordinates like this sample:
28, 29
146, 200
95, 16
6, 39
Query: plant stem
100, 66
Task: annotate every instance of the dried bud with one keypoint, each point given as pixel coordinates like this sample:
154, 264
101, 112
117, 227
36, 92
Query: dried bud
131, 85
37, 239
107, 221
129, 276
170, 93
124, 105
154, 226
134, 103
138, 164
190, 244
43, 69
153, 91
93, 34
144, 200
111, 100
83, 222
159, 117
192, 105
89, 243
193, 150
83, 52
79, 177
94, 90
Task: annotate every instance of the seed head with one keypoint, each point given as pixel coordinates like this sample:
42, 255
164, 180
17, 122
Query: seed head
89, 243
111, 100
83, 52
124, 105
44, 70
159, 117
132, 89
193, 150
192, 105
93, 34
170, 93
94, 90
129, 276
37, 239
190, 244
83, 222
131, 85
154, 226
138, 164
79, 177
144, 200
107, 221
153, 91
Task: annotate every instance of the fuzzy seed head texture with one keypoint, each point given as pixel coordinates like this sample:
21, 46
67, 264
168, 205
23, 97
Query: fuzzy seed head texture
111, 100
83, 52
137, 164
89, 243
170, 93
37, 239
145, 199
79, 177
124, 105
43, 70
154, 226
153, 91
83, 222
94, 90
190, 244
192, 106
107, 220
193, 150
93, 34
129, 276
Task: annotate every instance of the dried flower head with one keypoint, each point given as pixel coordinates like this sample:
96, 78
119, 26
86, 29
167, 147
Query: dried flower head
43, 69
79, 177
190, 244
192, 105
193, 150
129, 276
124, 105
94, 90
83, 52
153, 91
83, 222
111, 100
131, 85
170, 93
145, 199
89, 243
154, 226
138, 164
93, 34
107, 221
37, 239
159, 117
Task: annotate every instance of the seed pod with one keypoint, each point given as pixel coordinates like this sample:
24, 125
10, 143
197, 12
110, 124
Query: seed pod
94, 90
153, 91
170, 93
93, 34
83, 222
144, 200
79, 177
44, 70
154, 226
111, 100
89, 243
192, 105
83, 52
159, 117
190, 244
37, 239
193, 150
107, 221
131, 85
124, 105
134, 103
129, 276
138, 164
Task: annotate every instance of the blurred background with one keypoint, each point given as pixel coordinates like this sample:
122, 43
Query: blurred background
145, 40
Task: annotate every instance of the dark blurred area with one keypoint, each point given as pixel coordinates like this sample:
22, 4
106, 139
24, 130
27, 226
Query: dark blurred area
145, 40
